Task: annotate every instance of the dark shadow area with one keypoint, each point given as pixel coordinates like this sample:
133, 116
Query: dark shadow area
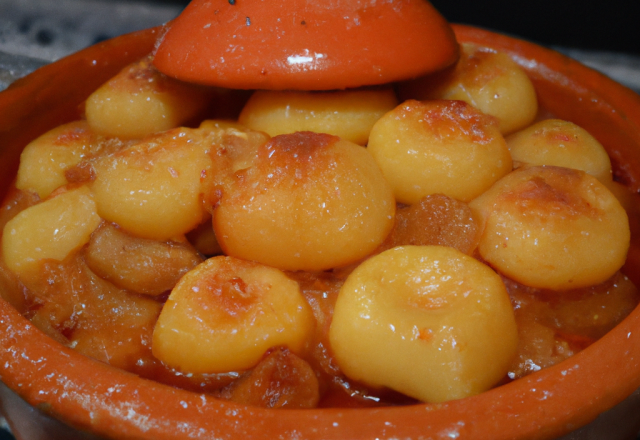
610, 25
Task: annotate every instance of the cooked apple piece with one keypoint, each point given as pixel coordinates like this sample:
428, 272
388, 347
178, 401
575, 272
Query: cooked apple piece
563, 144
52, 229
91, 315
140, 265
226, 313
310, 202
434, 147
140, 101
553, 228
346, 114
427, 321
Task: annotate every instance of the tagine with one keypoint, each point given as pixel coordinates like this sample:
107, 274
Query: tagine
407, 237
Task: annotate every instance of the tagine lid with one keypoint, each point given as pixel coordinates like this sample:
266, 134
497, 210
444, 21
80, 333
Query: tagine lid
305, 44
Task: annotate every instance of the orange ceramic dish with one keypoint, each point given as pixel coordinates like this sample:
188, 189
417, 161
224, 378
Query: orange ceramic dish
112, 403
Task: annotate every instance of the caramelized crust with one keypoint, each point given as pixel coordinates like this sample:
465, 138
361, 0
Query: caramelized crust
552, 227
309, 202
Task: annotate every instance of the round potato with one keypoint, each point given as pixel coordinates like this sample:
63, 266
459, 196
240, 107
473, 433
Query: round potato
153, 188
347, 114
428, 321
140, 101
433, 147
44, 161
563, 144
489, 80
52, 229
226, 313
553, 228
310, 202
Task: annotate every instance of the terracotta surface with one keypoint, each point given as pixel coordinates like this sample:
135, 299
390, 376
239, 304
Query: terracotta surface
299, 44
116, 404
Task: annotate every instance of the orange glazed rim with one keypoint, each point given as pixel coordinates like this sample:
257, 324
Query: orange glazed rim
113, 403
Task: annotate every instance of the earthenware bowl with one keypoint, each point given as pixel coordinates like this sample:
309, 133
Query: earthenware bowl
111, 403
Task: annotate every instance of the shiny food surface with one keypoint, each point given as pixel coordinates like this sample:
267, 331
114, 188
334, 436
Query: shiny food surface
541, 399
305, 45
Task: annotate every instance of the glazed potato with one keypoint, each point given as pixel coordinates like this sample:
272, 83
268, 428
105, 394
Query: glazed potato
428, 321
433, 147
490, 81
226, 313
140, 101
44, 161
553, 228
563, 144
153, 188
52, 229
346, 114
310, 202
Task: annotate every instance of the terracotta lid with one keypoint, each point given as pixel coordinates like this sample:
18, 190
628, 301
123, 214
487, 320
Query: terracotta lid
305, 44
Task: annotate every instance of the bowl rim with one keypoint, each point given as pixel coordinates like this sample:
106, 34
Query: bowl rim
110, 402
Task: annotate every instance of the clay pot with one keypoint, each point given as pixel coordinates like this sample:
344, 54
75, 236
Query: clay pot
111, 403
